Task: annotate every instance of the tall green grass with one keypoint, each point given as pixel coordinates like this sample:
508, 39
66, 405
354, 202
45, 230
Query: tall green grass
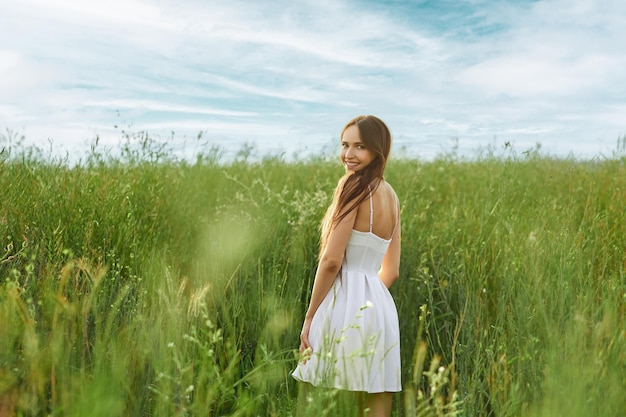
137, 283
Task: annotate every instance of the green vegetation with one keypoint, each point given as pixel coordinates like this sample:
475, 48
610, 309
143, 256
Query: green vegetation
141, 284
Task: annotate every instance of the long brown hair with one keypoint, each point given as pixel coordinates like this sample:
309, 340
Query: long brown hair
354, 188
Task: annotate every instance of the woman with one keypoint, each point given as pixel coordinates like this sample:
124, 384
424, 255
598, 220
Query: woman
350, 338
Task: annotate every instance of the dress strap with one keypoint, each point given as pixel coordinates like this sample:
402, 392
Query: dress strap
371, 209
397, 217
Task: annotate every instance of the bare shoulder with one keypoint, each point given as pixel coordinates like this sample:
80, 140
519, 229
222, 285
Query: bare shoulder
384, 212
388, 199
387, 191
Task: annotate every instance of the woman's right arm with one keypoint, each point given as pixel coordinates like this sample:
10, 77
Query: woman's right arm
390, 267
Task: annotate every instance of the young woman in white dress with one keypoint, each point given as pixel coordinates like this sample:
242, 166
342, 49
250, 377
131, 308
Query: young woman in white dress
350, 338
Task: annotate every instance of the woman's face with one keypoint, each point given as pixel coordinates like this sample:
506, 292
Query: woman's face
354, 155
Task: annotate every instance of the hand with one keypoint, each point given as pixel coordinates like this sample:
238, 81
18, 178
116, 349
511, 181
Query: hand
305, 347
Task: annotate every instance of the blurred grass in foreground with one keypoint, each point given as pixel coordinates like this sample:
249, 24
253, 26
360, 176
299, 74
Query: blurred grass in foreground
142, 284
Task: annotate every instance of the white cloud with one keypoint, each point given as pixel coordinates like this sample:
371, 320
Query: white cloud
163, 107
530, 76
19, 74
567, 48
93, 12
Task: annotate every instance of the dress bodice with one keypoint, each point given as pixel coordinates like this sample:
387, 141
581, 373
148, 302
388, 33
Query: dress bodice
365, 252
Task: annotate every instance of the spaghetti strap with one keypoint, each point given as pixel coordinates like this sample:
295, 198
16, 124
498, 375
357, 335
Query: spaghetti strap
397, 217
372, 213
371, 209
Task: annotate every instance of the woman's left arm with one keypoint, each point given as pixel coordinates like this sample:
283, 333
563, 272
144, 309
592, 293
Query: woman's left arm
327, 270
330, 261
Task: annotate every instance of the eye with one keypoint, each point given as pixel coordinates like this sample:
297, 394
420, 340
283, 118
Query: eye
344, 145
361, 147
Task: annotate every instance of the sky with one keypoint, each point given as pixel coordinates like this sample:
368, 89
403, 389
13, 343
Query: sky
284, 76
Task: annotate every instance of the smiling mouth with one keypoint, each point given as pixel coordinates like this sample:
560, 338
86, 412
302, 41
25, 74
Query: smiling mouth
351, 164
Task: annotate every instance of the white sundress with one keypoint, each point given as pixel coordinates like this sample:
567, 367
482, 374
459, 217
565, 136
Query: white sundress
354, 333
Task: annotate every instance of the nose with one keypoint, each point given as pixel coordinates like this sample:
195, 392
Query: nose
348, 152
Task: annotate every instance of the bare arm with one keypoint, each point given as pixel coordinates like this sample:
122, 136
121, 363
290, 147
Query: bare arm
390, 267
330, 261
327, 270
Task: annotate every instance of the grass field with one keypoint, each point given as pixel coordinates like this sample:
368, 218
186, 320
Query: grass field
138, 284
